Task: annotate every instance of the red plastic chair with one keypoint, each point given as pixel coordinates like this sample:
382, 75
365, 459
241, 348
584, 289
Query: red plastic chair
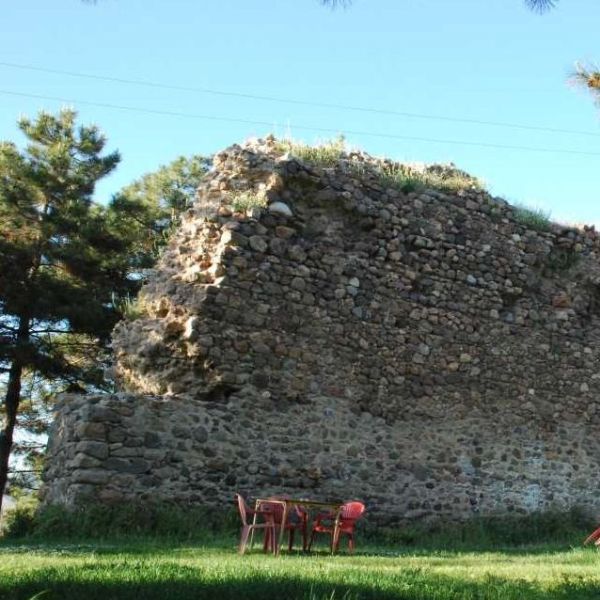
276, 509
593, 537
325, 523
247, 527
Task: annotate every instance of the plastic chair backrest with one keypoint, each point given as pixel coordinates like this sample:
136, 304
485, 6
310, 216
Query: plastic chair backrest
242, 508
352, 511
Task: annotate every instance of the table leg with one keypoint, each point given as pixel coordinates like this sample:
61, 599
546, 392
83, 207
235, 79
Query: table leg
336, 532
256, 504
305, 522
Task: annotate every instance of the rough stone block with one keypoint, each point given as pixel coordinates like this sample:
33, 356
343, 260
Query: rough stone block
96, 449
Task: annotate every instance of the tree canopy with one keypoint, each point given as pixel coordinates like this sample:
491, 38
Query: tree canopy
541, 5
69, 267
62, 261
146, 210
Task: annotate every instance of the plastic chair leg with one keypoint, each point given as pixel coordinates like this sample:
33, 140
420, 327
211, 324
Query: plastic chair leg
244, 538
312, 539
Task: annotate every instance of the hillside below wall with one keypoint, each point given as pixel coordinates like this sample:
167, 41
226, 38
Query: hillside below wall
425, 351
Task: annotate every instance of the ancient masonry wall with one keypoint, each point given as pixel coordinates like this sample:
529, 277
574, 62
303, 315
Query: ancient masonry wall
425, 352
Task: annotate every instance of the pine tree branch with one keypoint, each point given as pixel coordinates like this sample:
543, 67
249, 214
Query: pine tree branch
26, 471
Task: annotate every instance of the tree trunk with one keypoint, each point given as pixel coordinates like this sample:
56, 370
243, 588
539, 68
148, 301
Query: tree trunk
12, 400
11, 405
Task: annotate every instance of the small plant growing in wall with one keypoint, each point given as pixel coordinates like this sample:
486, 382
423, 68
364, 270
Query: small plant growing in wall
562, 259
399, 177
408, 178
132, 308
533, 218
245, 201
327, 154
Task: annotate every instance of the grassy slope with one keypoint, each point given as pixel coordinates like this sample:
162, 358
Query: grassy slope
184, 571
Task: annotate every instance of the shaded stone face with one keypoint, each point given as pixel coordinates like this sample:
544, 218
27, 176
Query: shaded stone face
424, 352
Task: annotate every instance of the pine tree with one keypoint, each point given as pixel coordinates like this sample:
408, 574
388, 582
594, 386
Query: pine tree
588, 77
146, 210
584, 76
541, 5
62, 262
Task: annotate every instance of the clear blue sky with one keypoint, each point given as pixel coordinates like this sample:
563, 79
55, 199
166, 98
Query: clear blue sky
490, 60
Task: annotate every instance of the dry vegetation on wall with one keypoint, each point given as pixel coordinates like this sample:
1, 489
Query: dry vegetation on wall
405, 177
533, 218
315, 328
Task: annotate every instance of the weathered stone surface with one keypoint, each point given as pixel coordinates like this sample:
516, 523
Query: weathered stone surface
92, 448
126, 465
424, 352
91, 431
91, 476
258, 243
280, 208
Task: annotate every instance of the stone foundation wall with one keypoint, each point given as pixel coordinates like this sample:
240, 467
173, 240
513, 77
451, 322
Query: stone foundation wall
123, 447
425, 351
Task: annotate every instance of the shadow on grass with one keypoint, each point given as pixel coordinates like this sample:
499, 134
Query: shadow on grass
186, 583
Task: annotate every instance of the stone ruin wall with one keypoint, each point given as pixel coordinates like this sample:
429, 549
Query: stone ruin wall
422, 351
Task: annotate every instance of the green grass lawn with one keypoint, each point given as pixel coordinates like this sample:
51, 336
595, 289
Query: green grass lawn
152, 570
